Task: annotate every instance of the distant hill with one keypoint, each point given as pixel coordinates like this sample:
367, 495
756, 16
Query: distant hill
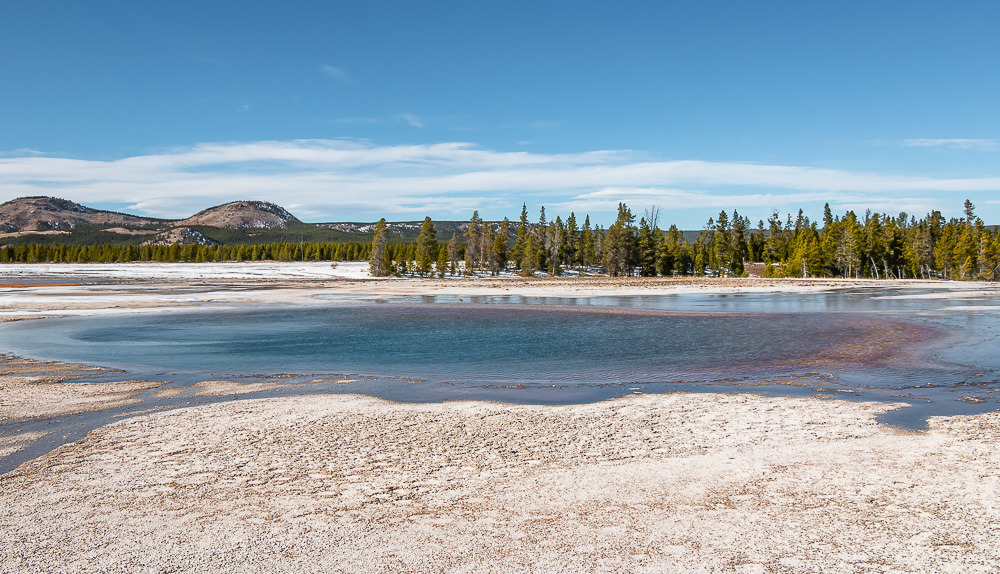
243, 215
50, 220
50, 213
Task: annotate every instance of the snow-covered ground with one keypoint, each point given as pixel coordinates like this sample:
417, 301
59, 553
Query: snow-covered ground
39, 280
231, 270
243, 270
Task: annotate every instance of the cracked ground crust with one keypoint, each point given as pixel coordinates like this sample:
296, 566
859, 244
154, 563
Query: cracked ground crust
684, 482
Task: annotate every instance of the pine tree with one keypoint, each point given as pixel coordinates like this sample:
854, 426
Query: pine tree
571, 243
376, 262
721, 246
473, 257
442, 262
520, 244
528, 259
554, 245
499, 253
738, 250
539, 248
620, 243
426, 247
647, 249
587, 246
453, 253
970, 217
667, 258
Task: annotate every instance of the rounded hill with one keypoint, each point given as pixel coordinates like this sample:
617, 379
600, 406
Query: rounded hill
52, 213
243, 215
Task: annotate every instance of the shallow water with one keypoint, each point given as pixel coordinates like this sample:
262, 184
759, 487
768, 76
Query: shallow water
936, 353
463, 343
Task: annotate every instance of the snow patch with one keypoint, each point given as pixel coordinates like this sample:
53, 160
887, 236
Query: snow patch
147, 270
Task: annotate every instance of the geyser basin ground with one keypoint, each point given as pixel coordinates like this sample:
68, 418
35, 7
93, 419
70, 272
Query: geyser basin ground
734, 481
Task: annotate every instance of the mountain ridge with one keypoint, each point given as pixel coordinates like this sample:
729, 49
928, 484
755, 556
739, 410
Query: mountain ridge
44, 213
52, 220
44, 219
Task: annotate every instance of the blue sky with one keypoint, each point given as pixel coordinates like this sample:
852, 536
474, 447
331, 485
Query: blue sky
353, 111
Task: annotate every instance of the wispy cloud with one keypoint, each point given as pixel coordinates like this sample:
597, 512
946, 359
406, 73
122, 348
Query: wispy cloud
410, 119
954, 143
606, 200
22, 152
343, 179
335, 73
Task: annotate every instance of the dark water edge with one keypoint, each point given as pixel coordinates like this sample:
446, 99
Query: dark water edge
947, 367
66, 429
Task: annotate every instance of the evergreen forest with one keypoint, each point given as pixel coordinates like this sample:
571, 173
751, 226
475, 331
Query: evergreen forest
874, 245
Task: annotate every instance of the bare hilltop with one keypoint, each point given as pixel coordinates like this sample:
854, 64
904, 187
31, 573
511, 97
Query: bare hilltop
43, 219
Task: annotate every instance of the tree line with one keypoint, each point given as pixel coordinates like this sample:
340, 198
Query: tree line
869, 246
117, 253
875, 246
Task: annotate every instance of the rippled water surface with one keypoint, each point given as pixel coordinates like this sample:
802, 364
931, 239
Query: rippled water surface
938, 353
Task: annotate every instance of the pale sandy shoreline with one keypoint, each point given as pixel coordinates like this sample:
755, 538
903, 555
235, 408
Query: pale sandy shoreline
677, 482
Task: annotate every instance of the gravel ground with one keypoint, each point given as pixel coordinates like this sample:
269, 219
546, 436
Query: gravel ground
679, 482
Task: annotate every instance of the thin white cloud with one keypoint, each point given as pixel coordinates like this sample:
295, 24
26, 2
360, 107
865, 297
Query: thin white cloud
410, 119
607, 199
22, 152
343, 177
335, 73
917, 206
954, 143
